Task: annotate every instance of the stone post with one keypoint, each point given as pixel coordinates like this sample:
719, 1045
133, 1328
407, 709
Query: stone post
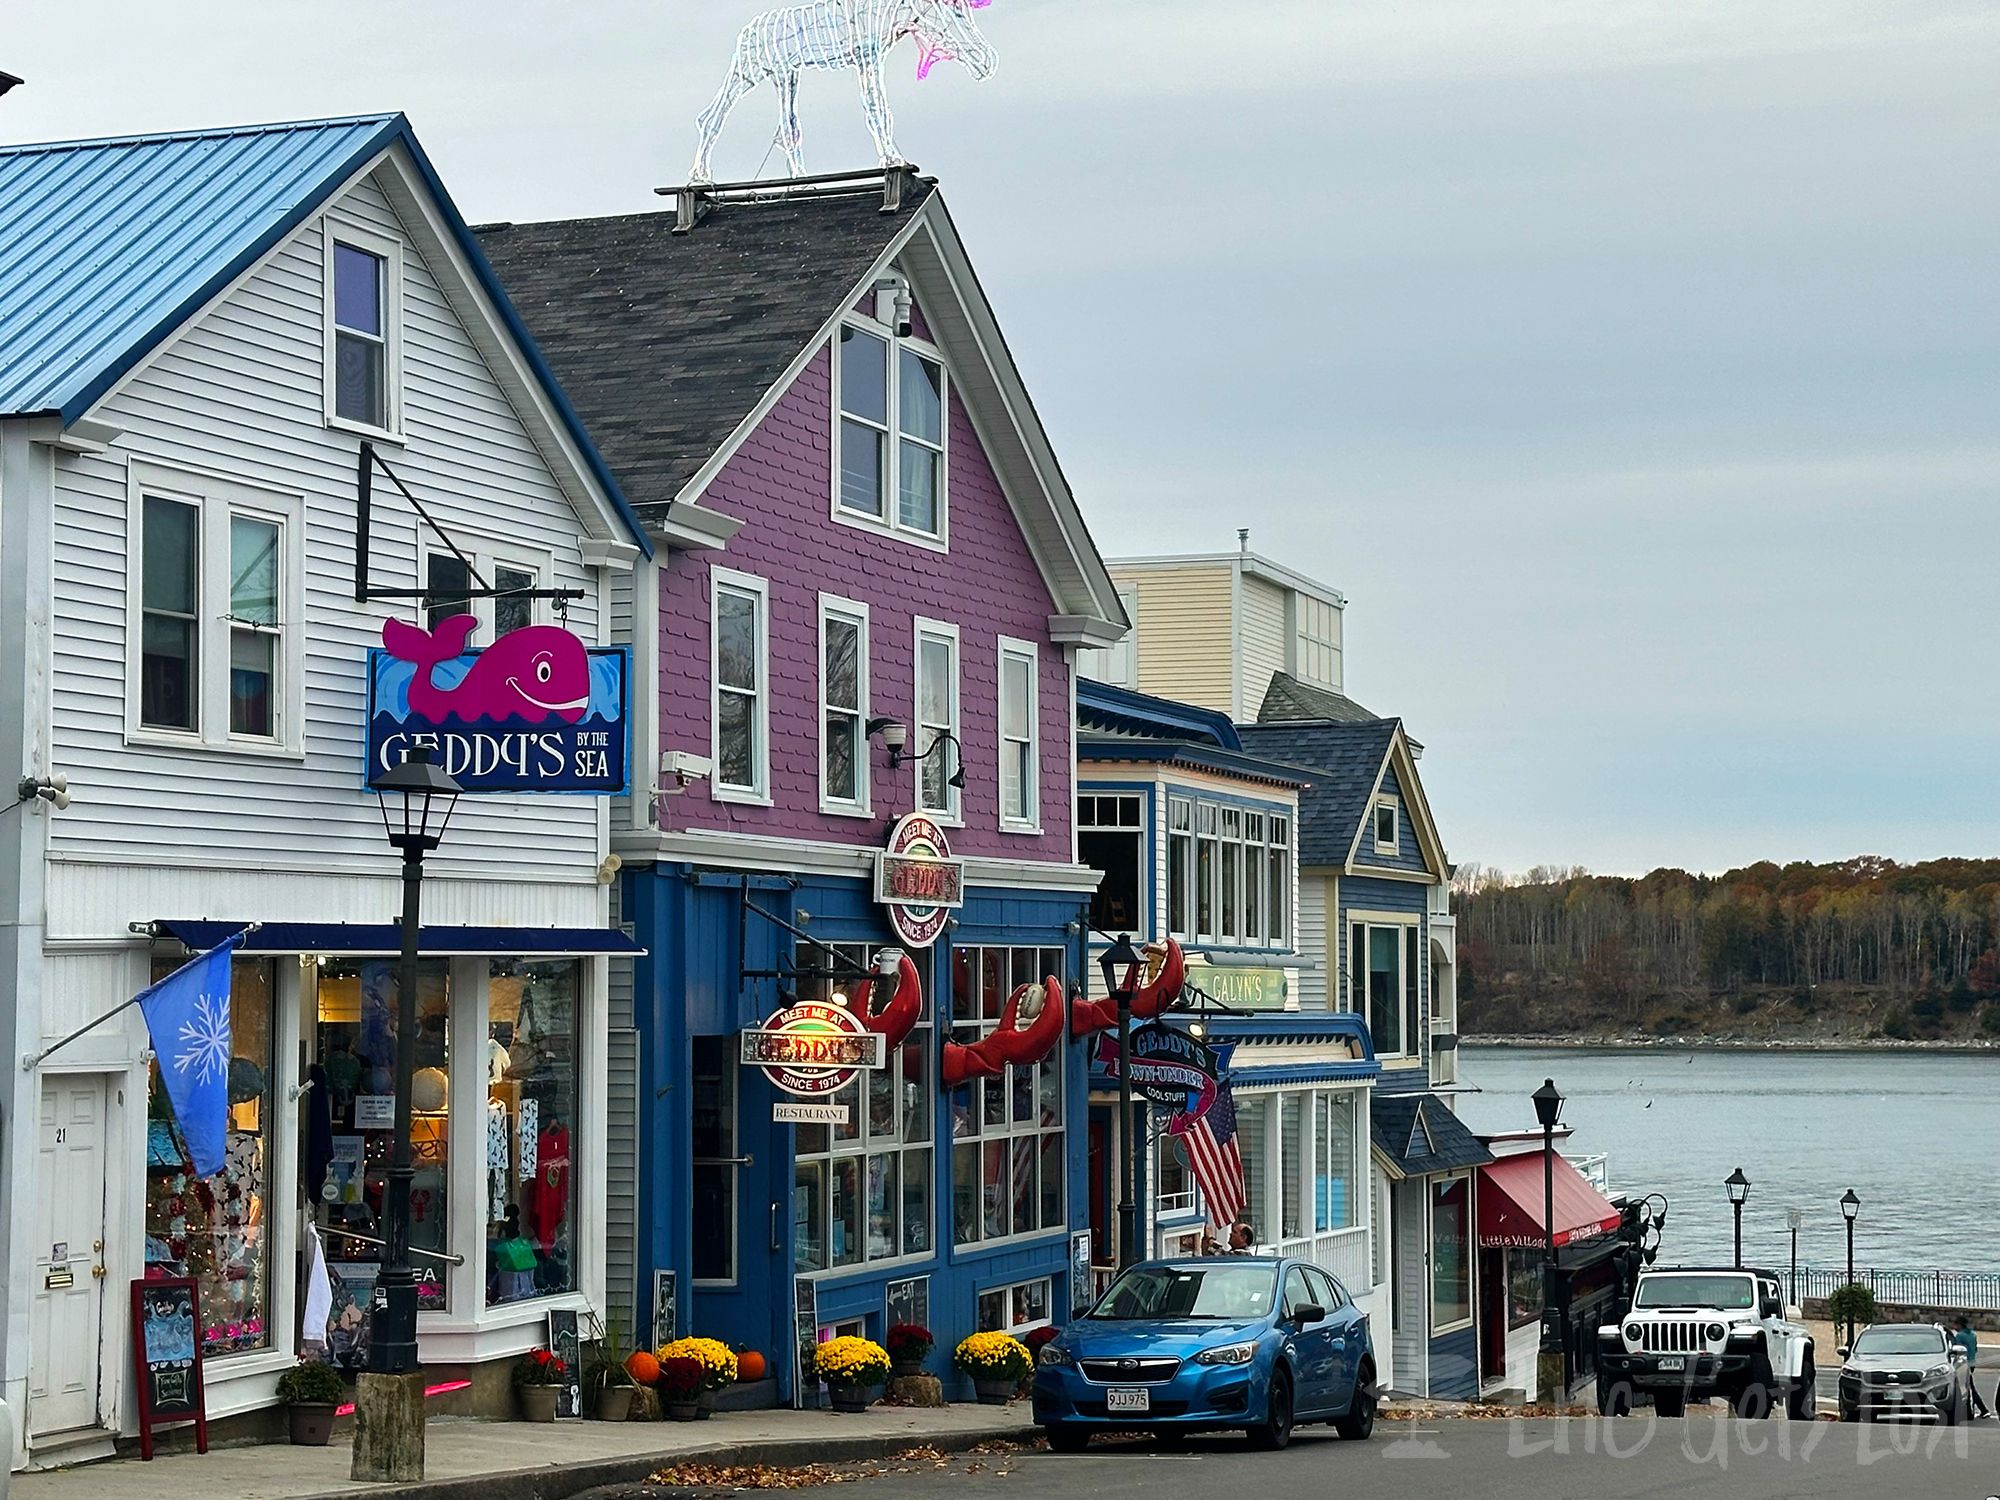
388, 1428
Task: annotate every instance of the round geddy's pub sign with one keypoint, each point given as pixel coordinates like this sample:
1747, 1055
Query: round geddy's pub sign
918, 881
812, 1048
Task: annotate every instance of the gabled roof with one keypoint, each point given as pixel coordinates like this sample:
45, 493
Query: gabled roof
111, 246
1289, 699
676, 346
1415, 1134
1347, 761
1117, 710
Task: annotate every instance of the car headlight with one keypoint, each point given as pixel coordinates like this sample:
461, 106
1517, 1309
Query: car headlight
1714, 1331
1937, 1372
1633, 1333
1056, 1355
1227, 1354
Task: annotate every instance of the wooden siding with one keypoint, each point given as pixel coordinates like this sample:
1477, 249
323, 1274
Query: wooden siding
1185, 651
1260, 641
1309, 937
238, 395
1409, 853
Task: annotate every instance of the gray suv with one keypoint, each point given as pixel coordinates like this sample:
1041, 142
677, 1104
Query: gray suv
1905, 1371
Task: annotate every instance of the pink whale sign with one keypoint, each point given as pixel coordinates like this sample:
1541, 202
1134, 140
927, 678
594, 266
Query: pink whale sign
535, 711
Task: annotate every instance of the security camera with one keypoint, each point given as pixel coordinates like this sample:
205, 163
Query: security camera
684, 766
892, 305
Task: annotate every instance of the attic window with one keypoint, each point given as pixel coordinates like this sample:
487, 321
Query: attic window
363, 281
890, 441
1386, 830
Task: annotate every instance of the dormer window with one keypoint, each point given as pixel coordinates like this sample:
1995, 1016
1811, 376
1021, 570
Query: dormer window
890, 444
1387, 831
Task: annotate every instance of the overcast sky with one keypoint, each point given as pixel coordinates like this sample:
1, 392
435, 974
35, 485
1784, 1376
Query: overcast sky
1631, 366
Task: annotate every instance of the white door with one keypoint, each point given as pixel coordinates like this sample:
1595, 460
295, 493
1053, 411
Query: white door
65, 1338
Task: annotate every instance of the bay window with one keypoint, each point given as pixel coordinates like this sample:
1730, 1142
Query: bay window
1229, 873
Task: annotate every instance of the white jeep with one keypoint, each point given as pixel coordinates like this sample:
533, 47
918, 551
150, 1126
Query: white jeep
1696, 1332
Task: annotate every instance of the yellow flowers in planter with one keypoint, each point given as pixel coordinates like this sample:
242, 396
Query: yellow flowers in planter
851, 1361
992, 1356
717, 1361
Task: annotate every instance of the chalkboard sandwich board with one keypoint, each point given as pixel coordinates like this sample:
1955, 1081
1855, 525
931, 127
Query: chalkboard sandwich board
166, 1355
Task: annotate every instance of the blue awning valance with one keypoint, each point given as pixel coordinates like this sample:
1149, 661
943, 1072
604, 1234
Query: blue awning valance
385, 939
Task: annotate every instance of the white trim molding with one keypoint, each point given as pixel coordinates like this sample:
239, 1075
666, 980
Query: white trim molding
758, 792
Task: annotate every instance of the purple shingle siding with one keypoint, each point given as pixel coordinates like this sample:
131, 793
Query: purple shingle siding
780, 483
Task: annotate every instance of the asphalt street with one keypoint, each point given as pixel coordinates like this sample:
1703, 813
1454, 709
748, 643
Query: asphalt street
1504, 1459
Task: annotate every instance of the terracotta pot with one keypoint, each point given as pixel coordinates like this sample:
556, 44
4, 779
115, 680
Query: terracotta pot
311, 1425
614, 1403
994, 1392
852, 1397
538, 1402
682, 1411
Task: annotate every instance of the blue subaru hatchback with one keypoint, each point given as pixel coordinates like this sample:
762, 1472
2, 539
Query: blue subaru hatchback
1254, 1342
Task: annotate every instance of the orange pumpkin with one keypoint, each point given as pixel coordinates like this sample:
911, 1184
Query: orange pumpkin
642, 1367
749, 1365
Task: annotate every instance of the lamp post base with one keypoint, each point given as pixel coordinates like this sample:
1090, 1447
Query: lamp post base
1549, 1385
388, 1428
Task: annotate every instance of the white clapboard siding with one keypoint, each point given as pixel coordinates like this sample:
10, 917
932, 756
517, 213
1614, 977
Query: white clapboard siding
238, 394
1309, 938
1260, 642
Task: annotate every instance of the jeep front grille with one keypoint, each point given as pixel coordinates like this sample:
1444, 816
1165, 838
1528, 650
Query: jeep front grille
1671, 1338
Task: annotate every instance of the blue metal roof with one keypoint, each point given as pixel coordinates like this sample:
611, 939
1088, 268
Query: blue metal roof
1099, 705
107, 247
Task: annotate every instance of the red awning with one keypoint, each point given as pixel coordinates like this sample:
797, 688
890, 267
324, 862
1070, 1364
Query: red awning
1511, 1195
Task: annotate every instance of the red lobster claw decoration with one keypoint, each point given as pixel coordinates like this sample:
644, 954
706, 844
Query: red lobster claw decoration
893, 1021
1008, 1042
1148, 1000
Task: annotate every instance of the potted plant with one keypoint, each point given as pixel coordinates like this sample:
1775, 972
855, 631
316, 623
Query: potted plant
851, 1368
310, 1390
538, 1380
1032, 1341
996, 1362
607, 1386
679, 1385
717, 1361
910, 1345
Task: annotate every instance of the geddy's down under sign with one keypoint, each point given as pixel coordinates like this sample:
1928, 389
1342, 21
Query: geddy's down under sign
536, 711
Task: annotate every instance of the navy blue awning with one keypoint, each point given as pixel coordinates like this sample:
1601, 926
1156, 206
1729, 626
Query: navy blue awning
386, 938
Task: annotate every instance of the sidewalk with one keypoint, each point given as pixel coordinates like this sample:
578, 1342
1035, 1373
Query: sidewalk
522, 1460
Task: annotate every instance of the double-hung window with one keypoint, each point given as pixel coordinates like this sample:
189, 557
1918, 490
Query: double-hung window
843, 700
1387, 819
1316, 644
1111, 839
740, 668
214, 581
1278, 867
1180, 865
1232, 860
891, 443
1229, 873
1386, 983
937, 717
450, 579
363, 281
1020, 791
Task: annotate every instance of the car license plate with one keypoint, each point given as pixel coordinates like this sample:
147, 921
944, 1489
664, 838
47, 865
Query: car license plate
1673, 1362
1128, 1398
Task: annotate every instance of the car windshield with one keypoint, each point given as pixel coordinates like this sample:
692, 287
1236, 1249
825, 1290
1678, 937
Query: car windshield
1233, 1292
1731, 1292
1880, 1340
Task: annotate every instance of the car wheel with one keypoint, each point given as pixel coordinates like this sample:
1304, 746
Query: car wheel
1067, 1437
1170, 1437
1359, 1423
1614, 1398
1276, 1429
1753, 1401
1671, 1403
1802, 1400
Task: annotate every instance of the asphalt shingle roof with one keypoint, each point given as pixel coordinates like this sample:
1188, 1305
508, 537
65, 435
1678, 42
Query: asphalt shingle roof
665, 342
1287, 698
1448, 1146
1346, 760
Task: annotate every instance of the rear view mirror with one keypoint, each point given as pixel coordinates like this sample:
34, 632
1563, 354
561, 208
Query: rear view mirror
1842, 1351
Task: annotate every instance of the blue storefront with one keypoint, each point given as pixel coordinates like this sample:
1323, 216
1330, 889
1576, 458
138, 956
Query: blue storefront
954, 1208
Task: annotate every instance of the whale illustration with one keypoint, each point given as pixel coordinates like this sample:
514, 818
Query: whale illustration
537, 672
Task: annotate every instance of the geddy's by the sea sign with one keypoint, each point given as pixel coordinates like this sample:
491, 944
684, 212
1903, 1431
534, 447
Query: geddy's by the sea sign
536, 711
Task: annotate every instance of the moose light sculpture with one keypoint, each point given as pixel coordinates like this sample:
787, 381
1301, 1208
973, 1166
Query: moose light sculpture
840, 34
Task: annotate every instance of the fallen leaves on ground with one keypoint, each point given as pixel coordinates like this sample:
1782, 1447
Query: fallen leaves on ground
998, 1445
1491, 1411
922, 1451
747, 1476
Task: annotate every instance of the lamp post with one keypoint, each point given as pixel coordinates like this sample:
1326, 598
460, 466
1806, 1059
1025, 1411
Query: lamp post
417, 798
1555, 1342
1117, 962
1795, 1216
1849, 1207
1739, 1189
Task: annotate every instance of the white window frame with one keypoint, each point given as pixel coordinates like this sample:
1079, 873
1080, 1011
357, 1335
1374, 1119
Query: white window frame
486, 558
1394, 843
980, 1133
889, 523
953, 814
1364, 922
759, 793
1315, 654
1119, 664
1016, 650
1007, 1290
335, 229
216, 499
855, 613
1186, 858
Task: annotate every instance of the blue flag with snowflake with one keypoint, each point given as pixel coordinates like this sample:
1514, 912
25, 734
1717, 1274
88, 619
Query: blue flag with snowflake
187, 1015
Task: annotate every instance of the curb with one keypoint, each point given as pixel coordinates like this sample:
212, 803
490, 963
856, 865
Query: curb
563, 1481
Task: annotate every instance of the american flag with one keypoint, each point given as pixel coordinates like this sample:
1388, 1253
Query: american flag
1217, 1162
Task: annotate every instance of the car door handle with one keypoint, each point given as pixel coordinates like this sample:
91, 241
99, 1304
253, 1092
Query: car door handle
1340, 1343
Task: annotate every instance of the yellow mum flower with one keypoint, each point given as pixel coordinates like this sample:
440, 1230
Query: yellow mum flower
717, 1359
851, 1361
992, 1356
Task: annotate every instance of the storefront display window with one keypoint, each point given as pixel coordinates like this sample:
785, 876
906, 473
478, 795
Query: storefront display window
1314, 1191
1451, 1259
1524, 1286
1333, 1161
1007, 1131
214, 1228
862, 1191
531, 1116
1016, 1308
350, 1133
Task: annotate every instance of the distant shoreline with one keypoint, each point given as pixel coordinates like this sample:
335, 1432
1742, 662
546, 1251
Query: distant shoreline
1730, 1044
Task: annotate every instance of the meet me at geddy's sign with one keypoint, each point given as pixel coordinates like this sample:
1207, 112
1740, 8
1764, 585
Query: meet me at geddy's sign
536, 711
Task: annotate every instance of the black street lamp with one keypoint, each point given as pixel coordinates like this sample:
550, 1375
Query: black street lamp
1548, 1110
417, 798
1118, 963
1739, 1189
1849, 1207
1795, 1217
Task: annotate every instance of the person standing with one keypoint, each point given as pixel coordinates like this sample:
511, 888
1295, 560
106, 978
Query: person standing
1966, 1339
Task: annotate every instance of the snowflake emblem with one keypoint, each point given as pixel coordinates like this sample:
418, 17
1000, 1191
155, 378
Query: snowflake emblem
205, 1043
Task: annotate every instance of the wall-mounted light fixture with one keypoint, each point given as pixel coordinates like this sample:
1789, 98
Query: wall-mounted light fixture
51, 789
939, 739
894, 734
